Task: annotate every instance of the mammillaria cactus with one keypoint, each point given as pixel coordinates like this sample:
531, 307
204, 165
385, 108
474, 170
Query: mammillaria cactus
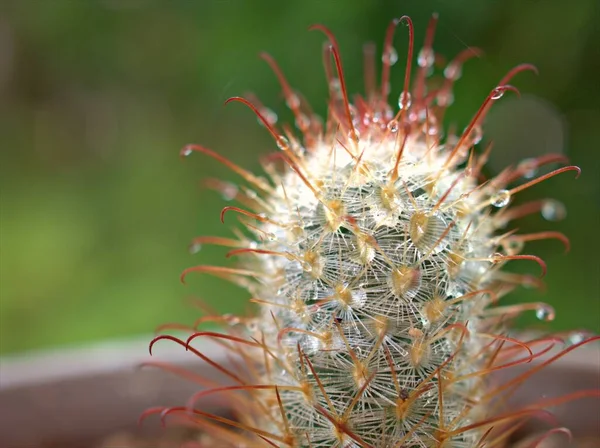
375, 249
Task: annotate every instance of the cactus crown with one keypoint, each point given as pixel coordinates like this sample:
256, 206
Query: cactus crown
375, 256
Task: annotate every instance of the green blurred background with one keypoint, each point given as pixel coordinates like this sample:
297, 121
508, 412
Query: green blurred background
98, 96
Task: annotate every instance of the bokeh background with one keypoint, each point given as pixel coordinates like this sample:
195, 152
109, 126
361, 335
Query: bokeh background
98, 96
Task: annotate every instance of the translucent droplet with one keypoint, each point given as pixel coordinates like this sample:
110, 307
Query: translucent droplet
445, 99
393, 126
513, 246
335, 84
497, 257
456, 290
476, 134
431, 129
500, 199
529, 168
268, 115
229, 192
292, 101
186, 152
231, 320
577, 337
359, 298
553, 210
545, 312
310, 345
353, 111
354, 134
451, 141
271, 237
404, 100
497, 93
302, 122
283, 143
453, 71
390, 56
426, 57
195, 248
306, 266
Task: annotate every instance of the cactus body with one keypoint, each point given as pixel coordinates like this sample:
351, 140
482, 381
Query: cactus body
376, 260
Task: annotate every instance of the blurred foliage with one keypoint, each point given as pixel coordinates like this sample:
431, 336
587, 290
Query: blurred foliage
98, 96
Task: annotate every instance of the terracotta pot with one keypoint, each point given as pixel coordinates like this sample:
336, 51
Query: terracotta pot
79, 397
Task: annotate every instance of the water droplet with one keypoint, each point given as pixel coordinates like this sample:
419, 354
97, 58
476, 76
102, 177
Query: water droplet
302, 122
359, 298
353, 111
426, 57
186, 152
231, 320
283, 143
253, 245
453, 71
335, 85
553, 210
514, 246
476, 134
497, 93
445, 99
195, 248
390, 56
528, 167
393, 126
577, 337
456, 290
500, 199
496, 258
431, 129
404, 100
354, 135
268, 115
292, 101
545, 312
229, 192
310, 345
271, 237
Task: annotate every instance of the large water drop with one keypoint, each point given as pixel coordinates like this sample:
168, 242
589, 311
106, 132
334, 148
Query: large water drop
390, 56
404, 100
426, 57
500, 199
545, 312
553, 210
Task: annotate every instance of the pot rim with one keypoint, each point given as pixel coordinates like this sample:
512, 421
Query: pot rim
116, 355
91, 359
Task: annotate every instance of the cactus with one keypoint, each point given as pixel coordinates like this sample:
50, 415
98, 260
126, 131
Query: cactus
374, 249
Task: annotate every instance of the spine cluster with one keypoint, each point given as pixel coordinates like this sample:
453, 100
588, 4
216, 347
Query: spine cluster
374, 248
